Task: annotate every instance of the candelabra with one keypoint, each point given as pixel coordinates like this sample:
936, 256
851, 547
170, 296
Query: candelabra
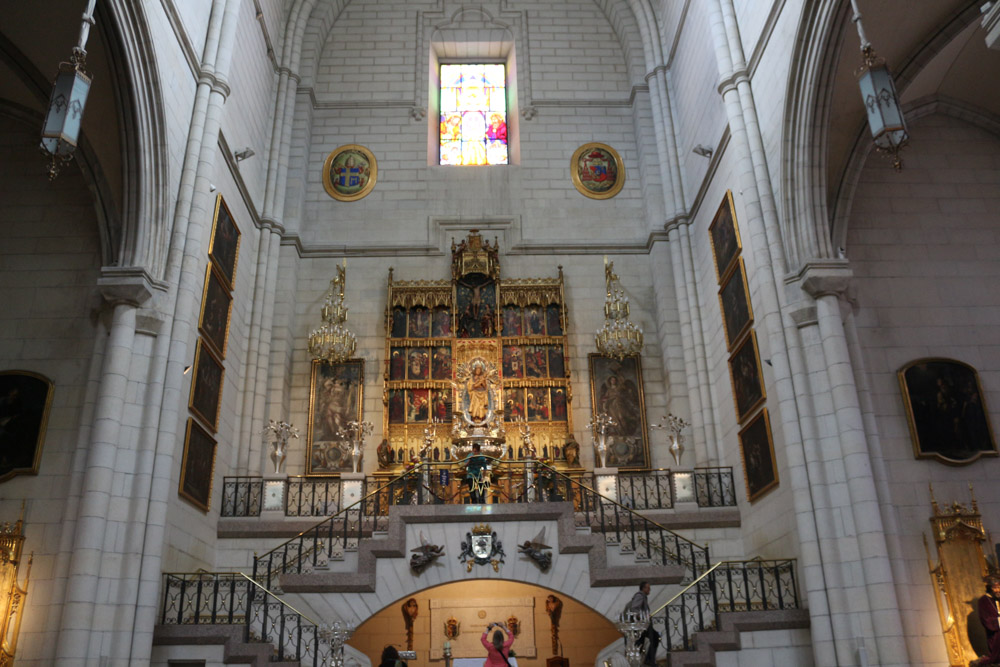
674, 425
632, 624
599, 429
355, 433
333, 342
618, 337
335, 635
279, 432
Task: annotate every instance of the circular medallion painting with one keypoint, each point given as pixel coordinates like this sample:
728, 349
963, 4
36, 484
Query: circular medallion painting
349, 173
598, 171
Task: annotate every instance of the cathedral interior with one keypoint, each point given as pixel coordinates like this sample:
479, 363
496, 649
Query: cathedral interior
333, 325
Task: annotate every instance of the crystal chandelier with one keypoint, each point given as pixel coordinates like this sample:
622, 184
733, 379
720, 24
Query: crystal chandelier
332, 342
618, 337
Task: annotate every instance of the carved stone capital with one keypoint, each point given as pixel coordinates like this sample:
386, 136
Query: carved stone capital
824, 277
126, 284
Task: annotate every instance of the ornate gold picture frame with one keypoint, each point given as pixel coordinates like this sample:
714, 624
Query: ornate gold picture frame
350, 173
734, 301
197, 466
336, 397
224, 250
206, 386
597, 171
946, 411
216, 309
760, 469
745, 374
616, 389
25, 402
725, 234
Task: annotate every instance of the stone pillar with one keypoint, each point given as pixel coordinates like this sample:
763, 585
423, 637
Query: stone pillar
123, 294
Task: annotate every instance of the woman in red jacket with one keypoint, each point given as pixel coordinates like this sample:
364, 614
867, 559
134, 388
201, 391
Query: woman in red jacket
498, 650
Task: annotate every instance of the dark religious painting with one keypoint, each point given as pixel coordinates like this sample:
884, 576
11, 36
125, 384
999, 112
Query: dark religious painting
512, 324
476, 306
420, 323
514, 405
224, 250
206, 386
25, 400
441, 322
553, 323
398, 322
513, 361
417, 405
537, 404
616, 390
558, 404
725, 237
216, 306
734, 299
397, 406
441, 363
418, 364
557, 367
335, 398
536, 361
441, 405
534, 321
744, 370
397, 363
197, 466
946, 412
759, 467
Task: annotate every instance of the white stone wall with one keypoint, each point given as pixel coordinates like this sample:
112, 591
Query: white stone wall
922, 245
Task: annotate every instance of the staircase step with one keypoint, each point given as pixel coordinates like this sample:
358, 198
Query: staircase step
727, 637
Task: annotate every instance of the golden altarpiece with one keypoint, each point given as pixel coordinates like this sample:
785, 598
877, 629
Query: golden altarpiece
958, 576
443, 334
12, 593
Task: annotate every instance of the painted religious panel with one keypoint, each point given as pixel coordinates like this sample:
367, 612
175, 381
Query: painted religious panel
512, 321
25, 401
419, 323
441, 363
734, 300
537, 404
946, 411
725, 236
534, 321
335, 398
398, 322
553, 320
441, 322
206, 386
417, 405
536, 361
216, 306
224, 250
597, 171
557, 367
757, 449
748, 384
514, 405
476, 298
513, 361
397, 363
558, 404
197, 466
397, 406
418, 364
616, 390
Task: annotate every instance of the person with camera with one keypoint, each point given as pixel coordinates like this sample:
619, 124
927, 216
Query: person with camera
497, 650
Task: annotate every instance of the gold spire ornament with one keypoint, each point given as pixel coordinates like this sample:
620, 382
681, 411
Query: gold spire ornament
333, 342
618, 337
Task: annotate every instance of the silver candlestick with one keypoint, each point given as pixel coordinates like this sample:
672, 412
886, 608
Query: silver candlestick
599, 429
674, 425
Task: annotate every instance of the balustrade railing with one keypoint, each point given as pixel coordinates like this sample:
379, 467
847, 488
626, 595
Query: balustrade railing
242, 496
310, 496
713, 487
728, 586
232, 598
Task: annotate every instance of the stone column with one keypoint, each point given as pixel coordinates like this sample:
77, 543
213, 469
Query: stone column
123, 294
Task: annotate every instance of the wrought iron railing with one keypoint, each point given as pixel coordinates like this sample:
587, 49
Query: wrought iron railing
713, 487
654, 489
242, 496
232, 598
520, 482
728, 586
310, 496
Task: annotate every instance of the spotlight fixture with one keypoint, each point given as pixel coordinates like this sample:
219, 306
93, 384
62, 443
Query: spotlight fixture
244, 154
702, 150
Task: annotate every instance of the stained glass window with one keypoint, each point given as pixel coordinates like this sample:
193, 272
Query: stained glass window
473, 114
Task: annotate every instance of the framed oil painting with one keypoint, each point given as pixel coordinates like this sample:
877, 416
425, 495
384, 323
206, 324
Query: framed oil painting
616, 390
25, 401
734, 301
350, 172
748, 384
216, 309
725, 235
946, 411
597, 171
197, 466
224, 250
757, 449
335, 398
206, 386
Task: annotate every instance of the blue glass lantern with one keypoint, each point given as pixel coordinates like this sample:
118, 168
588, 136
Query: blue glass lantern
885, 118
61, 130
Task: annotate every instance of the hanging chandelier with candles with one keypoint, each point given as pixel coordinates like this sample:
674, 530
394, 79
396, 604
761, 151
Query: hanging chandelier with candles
333, 342
618, 337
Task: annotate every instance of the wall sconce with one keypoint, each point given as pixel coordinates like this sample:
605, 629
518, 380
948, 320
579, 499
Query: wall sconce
244, 154
61, 130
878, 91
702, 150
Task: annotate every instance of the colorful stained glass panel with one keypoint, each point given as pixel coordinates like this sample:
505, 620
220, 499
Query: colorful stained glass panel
473, 115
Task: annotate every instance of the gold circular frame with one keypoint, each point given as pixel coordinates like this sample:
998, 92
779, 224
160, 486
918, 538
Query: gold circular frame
574, 170
332, 189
